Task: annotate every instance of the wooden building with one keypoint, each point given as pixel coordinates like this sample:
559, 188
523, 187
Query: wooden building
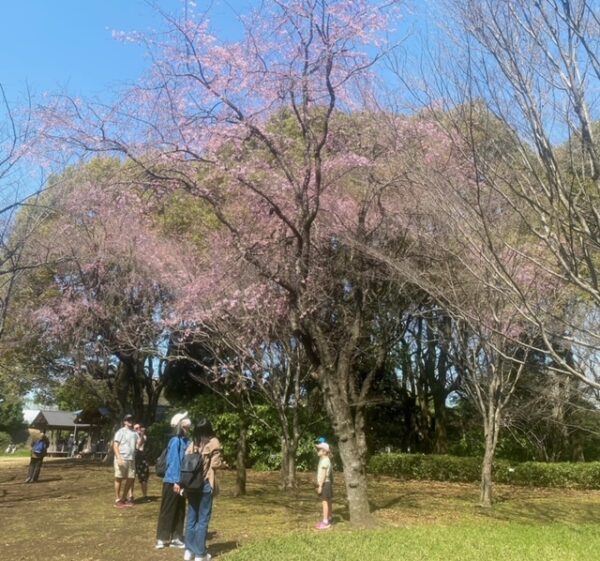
67, 436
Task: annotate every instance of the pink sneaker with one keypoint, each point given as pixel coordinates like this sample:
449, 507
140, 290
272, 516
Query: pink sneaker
323, 526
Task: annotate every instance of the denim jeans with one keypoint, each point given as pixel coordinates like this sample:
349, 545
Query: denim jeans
198, 517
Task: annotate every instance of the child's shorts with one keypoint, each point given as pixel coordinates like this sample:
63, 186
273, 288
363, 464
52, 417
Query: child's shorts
327, 491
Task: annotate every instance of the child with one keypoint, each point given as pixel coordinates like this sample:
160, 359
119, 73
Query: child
325, 484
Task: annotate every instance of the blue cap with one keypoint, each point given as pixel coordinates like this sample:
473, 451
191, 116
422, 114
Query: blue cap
321, 440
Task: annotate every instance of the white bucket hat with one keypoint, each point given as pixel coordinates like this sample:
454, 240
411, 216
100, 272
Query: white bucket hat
176, 419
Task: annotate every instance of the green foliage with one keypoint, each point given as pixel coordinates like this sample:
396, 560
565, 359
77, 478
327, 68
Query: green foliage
226, 428
263, 433
11, 414
468, 469
75, 393
158, 436
187, 216
470, 443
5, 440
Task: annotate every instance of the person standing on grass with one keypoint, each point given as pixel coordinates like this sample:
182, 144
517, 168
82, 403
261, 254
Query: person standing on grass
124, 444
325, 484
39, 449
200, 502
172, 505
142, 470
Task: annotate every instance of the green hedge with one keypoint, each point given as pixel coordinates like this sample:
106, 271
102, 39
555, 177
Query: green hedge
466, 469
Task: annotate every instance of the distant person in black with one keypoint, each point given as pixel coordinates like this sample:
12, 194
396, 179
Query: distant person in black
142, 469
39, 449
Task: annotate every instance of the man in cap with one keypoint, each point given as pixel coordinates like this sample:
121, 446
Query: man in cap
124, 445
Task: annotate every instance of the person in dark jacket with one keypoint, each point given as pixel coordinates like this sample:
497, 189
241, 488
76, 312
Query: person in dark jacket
172, 507
39, 449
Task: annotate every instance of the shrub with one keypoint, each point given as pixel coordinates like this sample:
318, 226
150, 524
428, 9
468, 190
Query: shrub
421, 466
468, 469
564, 475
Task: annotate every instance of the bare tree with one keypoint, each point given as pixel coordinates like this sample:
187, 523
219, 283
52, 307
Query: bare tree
16, 135
535, 67
490, 365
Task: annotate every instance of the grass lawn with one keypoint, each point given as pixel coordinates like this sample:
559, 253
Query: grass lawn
68, 516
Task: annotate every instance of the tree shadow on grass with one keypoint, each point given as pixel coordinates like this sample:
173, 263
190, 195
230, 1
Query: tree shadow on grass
376, 505
341, 515
543, 511
46, 480
221, 548
147, 500
14, 499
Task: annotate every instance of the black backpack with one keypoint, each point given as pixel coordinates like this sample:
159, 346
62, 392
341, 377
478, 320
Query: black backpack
160, 467
192, 472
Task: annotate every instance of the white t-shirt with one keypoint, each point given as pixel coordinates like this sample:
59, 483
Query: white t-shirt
325, 470
127, 440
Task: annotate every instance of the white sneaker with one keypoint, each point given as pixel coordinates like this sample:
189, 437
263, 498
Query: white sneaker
177, 543
188, 555
207, 557
160, 544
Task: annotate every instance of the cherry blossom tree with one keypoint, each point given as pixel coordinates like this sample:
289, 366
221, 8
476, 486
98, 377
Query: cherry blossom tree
257, 130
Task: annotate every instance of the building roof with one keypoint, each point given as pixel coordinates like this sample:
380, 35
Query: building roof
56, 420
94, 416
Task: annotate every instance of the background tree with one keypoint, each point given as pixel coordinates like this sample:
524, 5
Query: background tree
96, 304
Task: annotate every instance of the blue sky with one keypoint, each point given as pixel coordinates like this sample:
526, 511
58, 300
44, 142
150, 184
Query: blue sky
57, 45
67, 46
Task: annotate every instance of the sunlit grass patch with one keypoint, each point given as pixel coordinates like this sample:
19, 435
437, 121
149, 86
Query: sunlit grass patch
473, 542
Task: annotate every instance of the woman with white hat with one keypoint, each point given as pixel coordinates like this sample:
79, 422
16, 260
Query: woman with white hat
172, 507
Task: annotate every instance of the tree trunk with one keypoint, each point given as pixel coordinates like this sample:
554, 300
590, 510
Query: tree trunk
361, 435
440, 445
242, 448
355, 477
491, 428
288, 464
486, 476
351, 453
284, 463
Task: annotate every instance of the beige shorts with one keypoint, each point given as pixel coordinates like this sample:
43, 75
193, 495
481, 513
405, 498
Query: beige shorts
124, 470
